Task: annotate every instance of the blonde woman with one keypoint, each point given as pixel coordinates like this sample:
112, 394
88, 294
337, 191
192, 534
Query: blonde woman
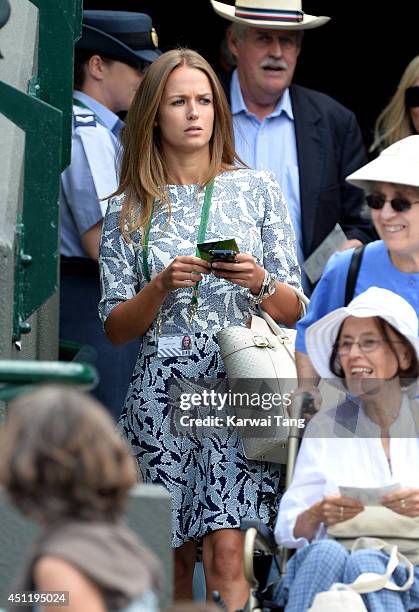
179, 186
400, 118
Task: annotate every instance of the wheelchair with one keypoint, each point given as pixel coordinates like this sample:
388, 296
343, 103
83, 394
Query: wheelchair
260, 547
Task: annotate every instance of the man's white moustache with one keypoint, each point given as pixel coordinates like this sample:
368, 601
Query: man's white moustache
274, 64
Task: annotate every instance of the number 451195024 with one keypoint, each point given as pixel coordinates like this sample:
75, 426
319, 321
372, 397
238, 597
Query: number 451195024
38, 597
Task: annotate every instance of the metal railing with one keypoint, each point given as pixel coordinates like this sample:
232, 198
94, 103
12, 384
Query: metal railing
44, 113
17, 377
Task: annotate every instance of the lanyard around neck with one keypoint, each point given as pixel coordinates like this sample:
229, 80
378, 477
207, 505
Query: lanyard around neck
201, 232
201, 238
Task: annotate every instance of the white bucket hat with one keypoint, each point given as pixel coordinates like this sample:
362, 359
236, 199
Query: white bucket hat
399, 163
374, 302
273, 14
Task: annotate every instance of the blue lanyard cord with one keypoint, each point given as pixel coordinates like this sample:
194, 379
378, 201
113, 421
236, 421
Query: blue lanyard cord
201, 238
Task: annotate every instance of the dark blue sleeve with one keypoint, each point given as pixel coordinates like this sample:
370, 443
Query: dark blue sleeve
328, 295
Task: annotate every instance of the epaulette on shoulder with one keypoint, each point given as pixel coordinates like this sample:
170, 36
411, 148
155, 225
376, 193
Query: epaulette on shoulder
85, 119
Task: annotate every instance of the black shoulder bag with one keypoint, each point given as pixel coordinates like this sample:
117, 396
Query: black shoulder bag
353, 271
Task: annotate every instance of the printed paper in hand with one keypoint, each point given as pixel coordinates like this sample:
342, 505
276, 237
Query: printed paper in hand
314, 265
369, 496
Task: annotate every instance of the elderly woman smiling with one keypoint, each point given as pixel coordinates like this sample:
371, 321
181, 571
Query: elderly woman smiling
391, 183
371, 348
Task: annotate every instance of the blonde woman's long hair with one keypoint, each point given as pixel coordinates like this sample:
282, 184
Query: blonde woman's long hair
394, 122
144, 174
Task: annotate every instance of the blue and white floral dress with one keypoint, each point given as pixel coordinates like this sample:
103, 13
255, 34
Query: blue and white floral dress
213, 485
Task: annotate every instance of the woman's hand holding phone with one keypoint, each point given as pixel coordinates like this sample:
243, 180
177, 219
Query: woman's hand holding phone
183, 271
228, 255
244, 272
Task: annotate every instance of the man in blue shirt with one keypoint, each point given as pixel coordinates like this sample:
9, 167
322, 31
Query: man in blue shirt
111, 57
308, 140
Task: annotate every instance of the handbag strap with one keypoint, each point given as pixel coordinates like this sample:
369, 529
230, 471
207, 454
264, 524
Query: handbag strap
353, 271
302, 298
304, 301
259, 325
265, 325
271, 325
371, 581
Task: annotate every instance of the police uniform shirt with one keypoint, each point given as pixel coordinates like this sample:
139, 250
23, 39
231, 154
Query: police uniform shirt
92, 174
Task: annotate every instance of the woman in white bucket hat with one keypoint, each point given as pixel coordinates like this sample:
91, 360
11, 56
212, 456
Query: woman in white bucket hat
369, 441
391, 183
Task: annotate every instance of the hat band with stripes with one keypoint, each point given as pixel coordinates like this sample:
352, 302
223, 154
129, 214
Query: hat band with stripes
258, 14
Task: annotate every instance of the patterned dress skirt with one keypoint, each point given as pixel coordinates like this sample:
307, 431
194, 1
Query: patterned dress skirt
212, 484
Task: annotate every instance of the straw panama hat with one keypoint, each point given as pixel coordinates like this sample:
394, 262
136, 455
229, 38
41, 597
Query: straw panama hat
374, 302
399, 163
274, 14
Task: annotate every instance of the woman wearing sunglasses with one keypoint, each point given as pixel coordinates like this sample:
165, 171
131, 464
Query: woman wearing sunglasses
391, 183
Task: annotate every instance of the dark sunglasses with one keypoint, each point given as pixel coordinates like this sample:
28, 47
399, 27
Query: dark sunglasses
399, 203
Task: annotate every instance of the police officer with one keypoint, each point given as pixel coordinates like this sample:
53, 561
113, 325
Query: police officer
111, 58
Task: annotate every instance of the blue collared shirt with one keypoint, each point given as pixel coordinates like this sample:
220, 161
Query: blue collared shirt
271, 145
92, 174
105, 116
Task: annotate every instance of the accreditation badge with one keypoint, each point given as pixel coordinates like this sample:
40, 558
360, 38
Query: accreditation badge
175, 345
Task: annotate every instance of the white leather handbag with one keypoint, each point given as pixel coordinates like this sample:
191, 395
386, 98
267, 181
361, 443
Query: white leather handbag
260, 363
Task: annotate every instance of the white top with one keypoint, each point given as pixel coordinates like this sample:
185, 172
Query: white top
324, 463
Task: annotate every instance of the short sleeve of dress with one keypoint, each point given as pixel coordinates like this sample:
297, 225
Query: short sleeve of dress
117, 263
278, 238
